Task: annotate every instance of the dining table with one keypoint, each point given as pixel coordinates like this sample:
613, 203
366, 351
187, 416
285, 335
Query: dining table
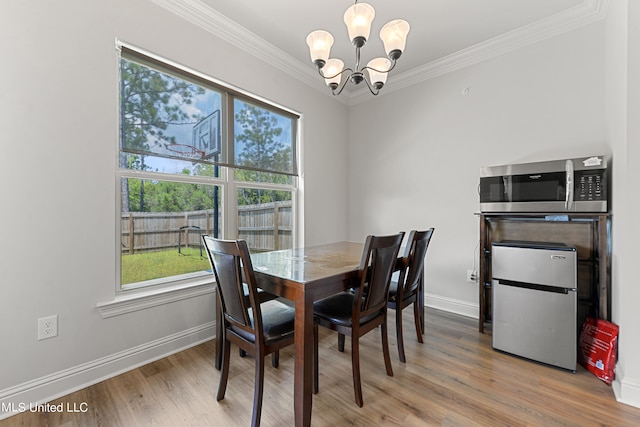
305, 275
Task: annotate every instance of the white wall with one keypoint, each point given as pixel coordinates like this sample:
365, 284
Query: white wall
629, 372
415, 154
623, 108
59, 126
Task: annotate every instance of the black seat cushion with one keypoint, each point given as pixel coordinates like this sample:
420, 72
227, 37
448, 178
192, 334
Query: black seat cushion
339, 309
277, 321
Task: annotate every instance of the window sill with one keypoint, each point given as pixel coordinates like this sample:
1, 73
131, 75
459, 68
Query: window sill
129, 303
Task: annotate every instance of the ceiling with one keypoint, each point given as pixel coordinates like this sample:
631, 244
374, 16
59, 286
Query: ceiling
440, 29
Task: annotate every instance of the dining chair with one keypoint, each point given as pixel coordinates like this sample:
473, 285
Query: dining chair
262, 297
258, 329
406, 290
354, 313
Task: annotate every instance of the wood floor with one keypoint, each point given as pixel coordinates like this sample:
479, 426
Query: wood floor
453, 379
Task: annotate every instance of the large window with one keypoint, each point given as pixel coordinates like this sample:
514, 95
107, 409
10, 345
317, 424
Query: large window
197, 158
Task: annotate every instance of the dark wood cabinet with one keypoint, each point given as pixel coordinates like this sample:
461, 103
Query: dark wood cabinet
590, 234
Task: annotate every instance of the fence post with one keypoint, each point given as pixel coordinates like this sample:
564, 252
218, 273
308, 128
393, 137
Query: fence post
131, 234
276, 226
186, 229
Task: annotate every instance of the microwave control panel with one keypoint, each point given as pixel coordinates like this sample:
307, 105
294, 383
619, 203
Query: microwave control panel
590, 185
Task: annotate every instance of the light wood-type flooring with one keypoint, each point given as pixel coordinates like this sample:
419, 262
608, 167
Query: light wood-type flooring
454, 379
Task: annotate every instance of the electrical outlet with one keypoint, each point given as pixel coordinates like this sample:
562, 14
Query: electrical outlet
47, 327
472, 276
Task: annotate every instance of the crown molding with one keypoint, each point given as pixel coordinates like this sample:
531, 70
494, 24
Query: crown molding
590, 11
209, 19
198, 13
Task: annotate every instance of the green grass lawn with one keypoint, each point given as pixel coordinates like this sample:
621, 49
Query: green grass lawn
152, 265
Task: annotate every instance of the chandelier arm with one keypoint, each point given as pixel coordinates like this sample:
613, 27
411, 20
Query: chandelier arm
335, 75
393, 65
337, 91
373, 90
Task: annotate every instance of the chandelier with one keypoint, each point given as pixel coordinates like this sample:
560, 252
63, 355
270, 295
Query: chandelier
358, 20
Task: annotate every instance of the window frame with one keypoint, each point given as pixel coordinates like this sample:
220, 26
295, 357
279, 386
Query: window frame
229, 94
226, 181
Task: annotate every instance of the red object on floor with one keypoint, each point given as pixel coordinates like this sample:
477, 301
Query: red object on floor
598, 348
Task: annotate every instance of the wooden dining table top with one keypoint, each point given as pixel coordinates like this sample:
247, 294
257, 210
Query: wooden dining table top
310, 264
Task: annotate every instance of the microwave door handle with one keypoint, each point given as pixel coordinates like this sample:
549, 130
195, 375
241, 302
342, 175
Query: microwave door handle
568, 202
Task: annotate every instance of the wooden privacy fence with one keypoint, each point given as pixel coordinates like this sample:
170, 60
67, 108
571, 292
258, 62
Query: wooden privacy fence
265, 227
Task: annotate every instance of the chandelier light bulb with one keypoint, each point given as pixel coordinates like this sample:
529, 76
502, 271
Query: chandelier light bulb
331, 72
378, 69
394, 36
358, 19
319, 43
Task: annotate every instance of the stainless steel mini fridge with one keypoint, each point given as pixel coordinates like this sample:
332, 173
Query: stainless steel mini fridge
534, 288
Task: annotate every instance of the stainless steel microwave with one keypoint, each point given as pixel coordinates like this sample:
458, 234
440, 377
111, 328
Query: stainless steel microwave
571, 185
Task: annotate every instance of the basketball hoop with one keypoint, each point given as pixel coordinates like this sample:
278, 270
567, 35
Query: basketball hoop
185, 151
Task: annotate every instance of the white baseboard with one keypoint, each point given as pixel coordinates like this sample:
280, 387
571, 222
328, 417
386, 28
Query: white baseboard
625, 389
463, 308
36, 392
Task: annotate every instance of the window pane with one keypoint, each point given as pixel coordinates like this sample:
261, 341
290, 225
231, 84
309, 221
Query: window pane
247, 175
161, 227
265, 218
166, 116
263, 141
183, 137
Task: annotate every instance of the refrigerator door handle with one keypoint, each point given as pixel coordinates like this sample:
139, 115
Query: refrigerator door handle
535, 286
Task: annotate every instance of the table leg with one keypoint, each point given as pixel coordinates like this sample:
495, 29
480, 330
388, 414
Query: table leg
303, 371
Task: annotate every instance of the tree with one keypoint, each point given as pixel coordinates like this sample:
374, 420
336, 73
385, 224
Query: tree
150, 101
262, 149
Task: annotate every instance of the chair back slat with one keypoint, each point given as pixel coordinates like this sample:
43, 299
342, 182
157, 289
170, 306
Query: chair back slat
415, 255
376, 268
232, 268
